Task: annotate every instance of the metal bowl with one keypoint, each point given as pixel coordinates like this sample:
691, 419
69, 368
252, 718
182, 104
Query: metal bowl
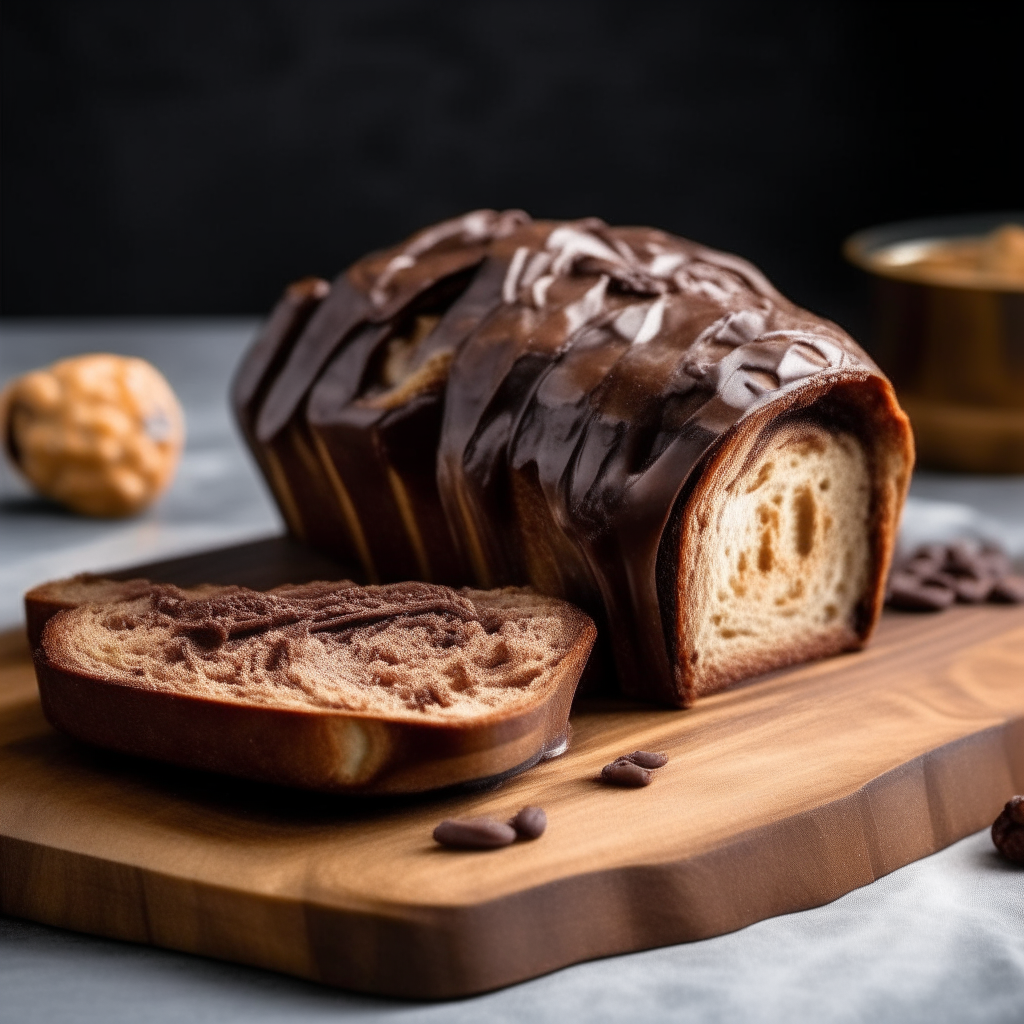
953, 349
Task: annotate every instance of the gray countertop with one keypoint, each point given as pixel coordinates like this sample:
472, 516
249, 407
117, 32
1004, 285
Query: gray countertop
942, 939
216, 498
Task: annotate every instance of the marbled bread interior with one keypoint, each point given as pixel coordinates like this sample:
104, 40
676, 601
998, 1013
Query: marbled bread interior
780, 552
407, 650
384, 689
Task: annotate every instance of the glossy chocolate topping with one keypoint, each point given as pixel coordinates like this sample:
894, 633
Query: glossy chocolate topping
501, 400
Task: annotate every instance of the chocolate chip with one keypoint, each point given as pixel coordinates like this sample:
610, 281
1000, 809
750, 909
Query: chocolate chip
647, 759
911, 594
1008, 830
530, 822
625, 773
1008, 590
474, 833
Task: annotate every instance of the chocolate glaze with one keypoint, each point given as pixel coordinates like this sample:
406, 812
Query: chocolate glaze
583, 375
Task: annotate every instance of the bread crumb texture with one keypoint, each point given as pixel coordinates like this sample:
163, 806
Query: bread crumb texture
786, 548
405, 650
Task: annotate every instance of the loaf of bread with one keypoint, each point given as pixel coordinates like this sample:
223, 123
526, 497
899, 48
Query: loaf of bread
330, 686
615, 416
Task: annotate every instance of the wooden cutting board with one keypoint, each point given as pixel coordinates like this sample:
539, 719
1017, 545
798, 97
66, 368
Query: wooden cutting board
781, 794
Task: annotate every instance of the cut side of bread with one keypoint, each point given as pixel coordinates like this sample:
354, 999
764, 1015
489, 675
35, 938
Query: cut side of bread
785, 558
392, 689
780, 541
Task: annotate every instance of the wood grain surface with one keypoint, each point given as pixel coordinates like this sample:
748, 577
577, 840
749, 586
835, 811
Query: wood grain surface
781, 794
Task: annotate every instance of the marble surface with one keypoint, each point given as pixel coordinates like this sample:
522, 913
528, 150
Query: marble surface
942, 939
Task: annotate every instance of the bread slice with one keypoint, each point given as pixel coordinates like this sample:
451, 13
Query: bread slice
329, 686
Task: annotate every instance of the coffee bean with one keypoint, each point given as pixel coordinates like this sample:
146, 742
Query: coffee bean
647, 759
995, 561
939, 578
963, 559
1008, 830
972, 591
530, 822
904, 579
625, 773
921, 564
474, 833
933, 552
1008, 590
910, 594
935, 575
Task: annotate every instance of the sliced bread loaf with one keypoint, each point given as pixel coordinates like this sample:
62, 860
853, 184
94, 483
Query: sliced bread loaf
589, 410
385, 689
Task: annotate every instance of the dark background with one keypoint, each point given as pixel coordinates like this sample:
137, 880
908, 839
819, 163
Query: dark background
191, 158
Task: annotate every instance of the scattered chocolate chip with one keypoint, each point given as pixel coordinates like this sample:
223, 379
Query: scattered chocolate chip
1008, 590
474, 833
910, 594
647, 759
1008, 830
530, 822
624, 772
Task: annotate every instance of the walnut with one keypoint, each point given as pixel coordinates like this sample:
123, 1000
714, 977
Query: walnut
1008, 830
102, 434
